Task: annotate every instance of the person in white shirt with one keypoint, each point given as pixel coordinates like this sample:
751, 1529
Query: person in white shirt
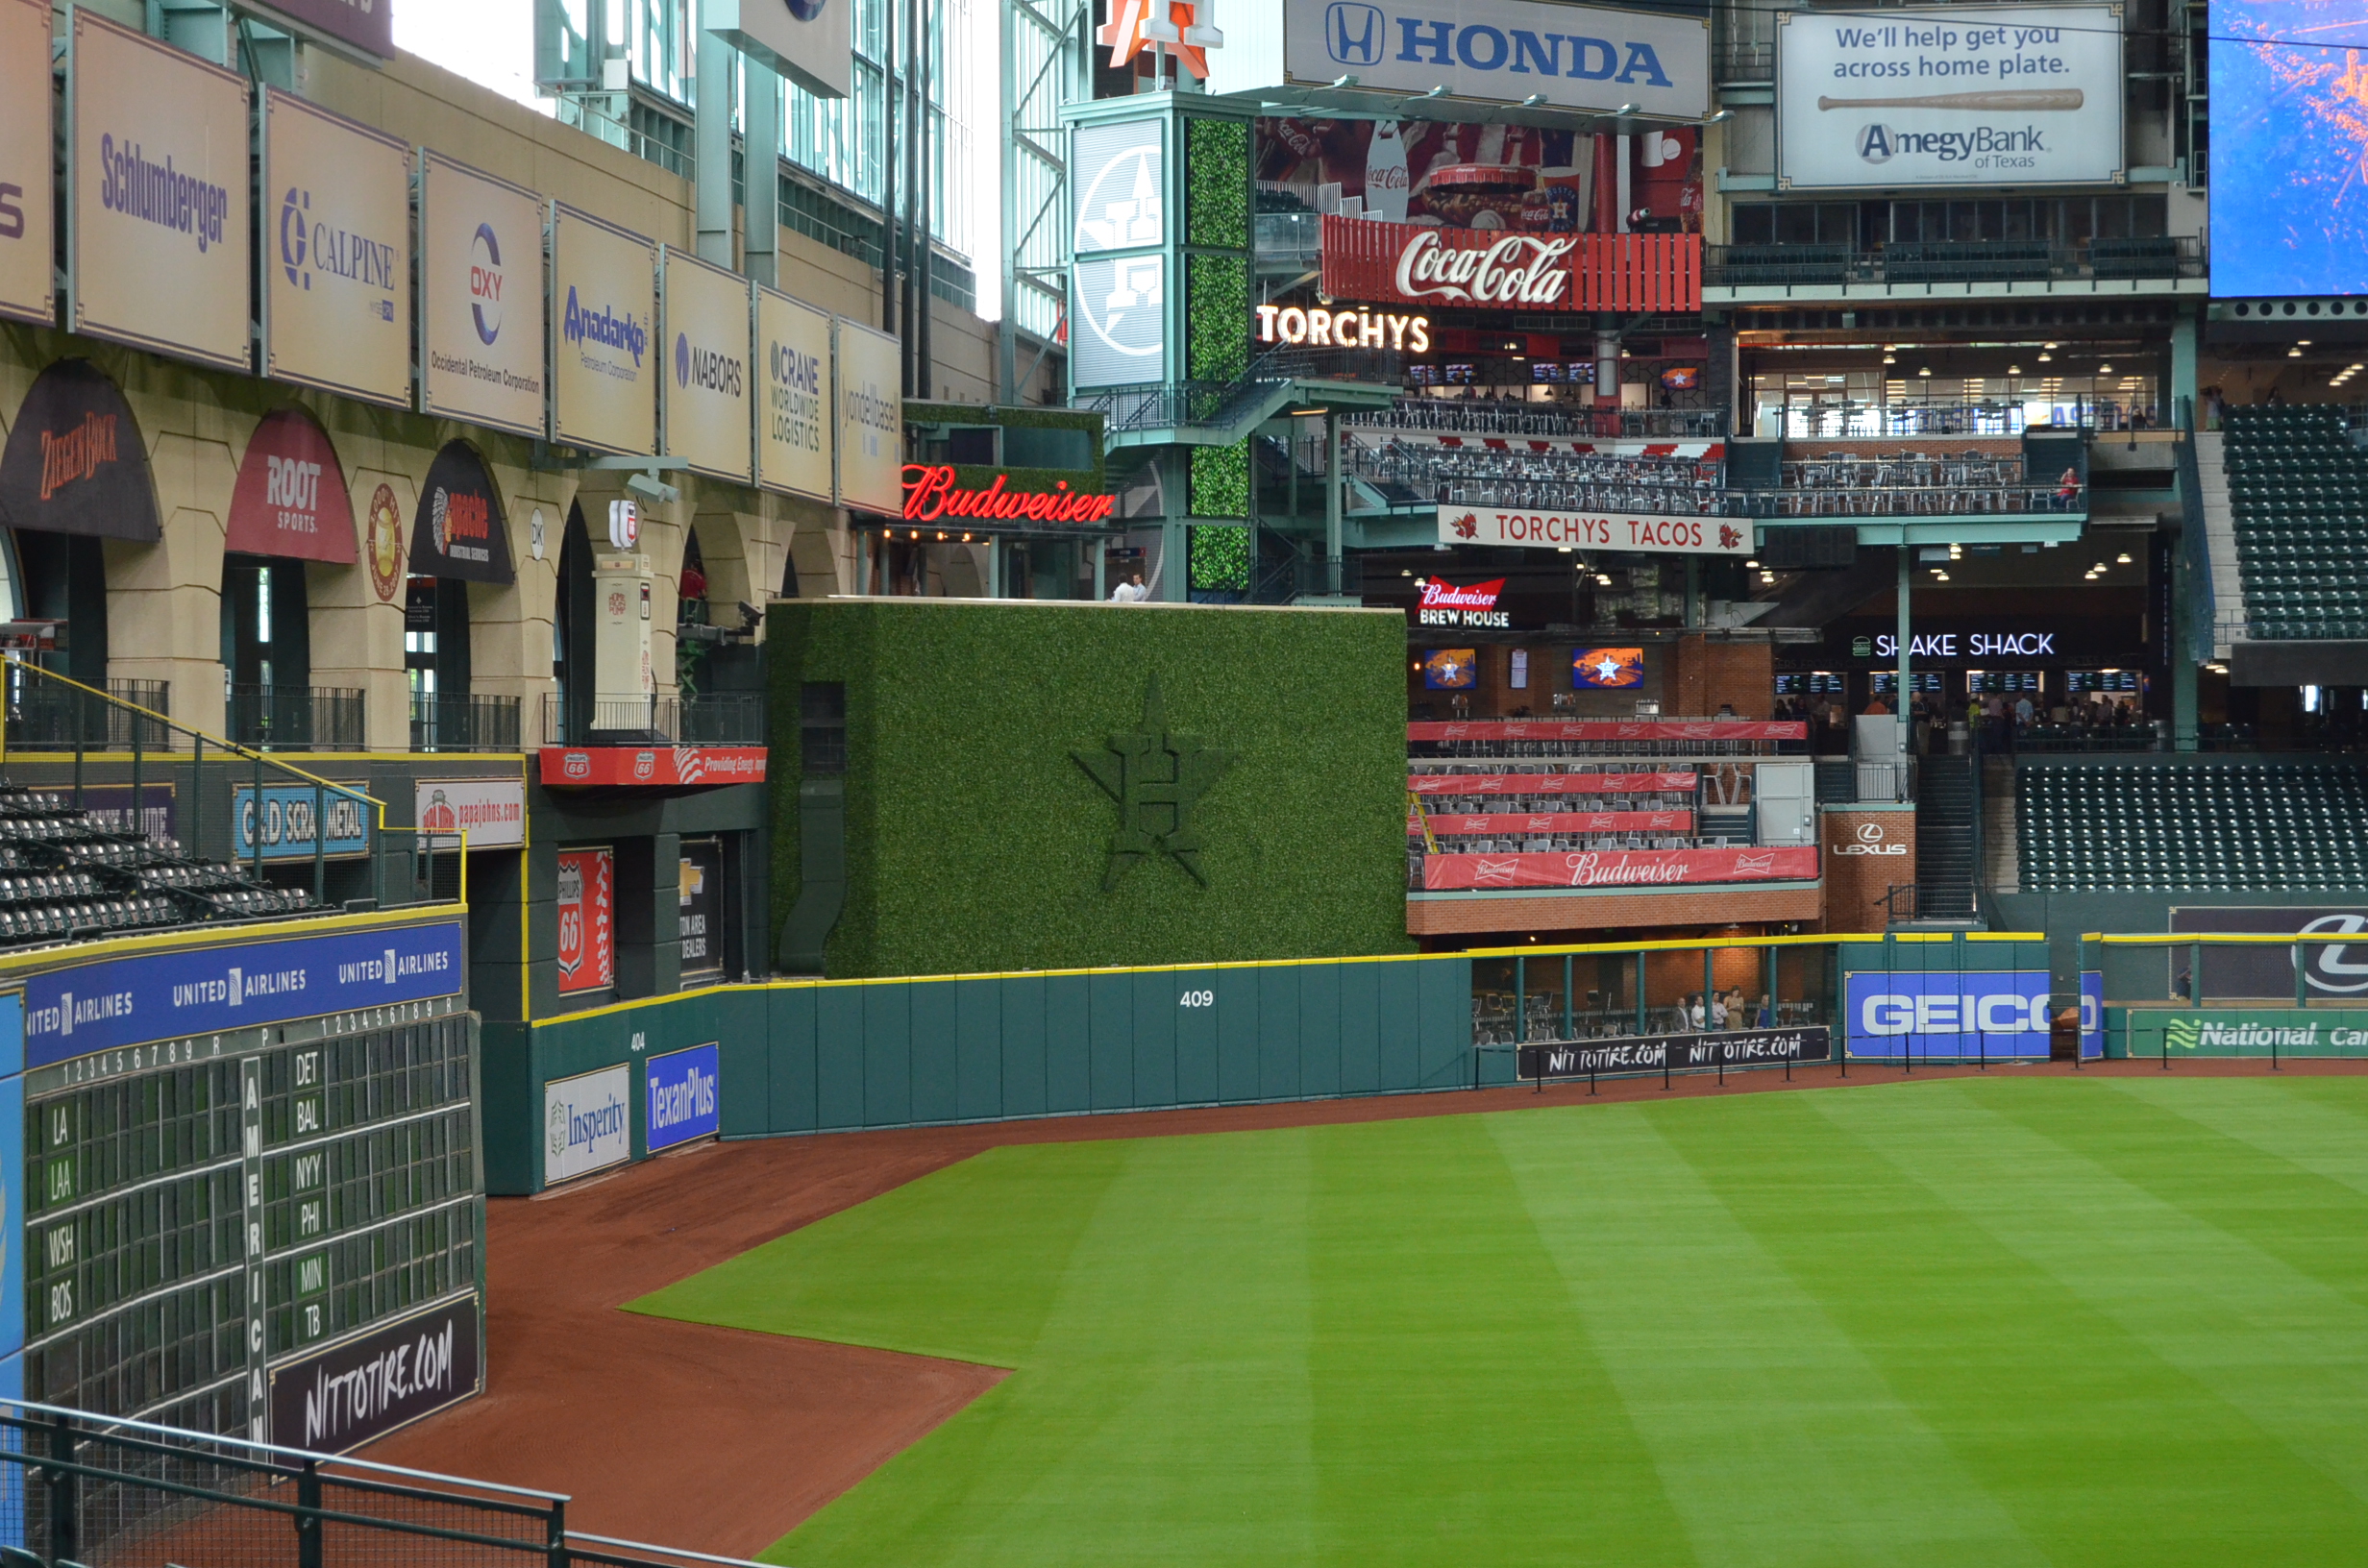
1130, 591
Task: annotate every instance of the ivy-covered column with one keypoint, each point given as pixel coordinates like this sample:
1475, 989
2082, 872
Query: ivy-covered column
1218, 273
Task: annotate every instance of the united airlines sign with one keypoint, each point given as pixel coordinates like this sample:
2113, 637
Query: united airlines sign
1504, 51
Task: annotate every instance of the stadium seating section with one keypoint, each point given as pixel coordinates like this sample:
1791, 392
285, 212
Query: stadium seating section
2138, 827
65, 876
2298, 491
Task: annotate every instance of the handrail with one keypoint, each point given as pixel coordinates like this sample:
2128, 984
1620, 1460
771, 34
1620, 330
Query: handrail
244, 754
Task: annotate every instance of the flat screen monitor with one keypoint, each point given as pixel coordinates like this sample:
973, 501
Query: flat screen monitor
2083, 681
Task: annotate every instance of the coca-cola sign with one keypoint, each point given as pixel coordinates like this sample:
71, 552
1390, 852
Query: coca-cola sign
1445, 605
1511, 269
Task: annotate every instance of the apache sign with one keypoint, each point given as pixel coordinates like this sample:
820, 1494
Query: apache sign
1445, 605
1595, 531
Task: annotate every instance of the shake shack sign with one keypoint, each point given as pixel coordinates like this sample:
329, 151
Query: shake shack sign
75, 462
459, 530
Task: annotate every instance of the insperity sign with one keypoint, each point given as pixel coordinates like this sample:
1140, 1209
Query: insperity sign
1502, 51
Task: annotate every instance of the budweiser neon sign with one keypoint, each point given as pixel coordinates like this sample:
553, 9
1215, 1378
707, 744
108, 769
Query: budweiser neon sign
930, 492
1517, 269
1445, 605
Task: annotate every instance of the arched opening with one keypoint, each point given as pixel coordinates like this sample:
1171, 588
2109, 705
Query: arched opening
64, 579
570, 630
458, 537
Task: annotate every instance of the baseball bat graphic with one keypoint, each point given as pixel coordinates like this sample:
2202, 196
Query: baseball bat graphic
2029, 102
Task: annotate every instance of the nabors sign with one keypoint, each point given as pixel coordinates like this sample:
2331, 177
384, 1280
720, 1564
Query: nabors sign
1445, 605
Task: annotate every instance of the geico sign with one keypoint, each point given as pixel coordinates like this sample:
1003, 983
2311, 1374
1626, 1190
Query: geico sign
1996, 1013
1344, 328
1518, 269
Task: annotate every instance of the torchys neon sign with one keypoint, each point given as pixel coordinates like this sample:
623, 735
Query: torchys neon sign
930, 492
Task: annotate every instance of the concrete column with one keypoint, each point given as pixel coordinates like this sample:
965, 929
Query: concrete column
2182, 367
1334, 484
2177, 655
1174, 532
1900, 698
712, 141
761, 120
358, 636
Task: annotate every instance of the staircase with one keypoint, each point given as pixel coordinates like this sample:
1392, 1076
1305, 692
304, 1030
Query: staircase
2227, 593
1945, 797
2002, 853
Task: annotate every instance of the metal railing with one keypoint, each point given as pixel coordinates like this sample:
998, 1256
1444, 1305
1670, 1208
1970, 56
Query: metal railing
277, 813
1840, 419
1949, 261
706, 719
1223, 403
296, 718
1908, 501
109, 1493
464, 724
66, 716
1480, 416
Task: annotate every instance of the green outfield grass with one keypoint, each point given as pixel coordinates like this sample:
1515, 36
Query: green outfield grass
1994, 1323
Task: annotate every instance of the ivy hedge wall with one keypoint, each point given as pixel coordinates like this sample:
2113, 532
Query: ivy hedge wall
977, 842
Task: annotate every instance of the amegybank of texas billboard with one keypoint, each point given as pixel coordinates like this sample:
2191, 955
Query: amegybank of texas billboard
2289, 140
1953, 96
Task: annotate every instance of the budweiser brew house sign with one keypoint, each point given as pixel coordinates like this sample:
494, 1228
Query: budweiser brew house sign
1445, 605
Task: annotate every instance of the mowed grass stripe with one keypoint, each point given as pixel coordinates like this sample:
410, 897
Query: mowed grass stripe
1462, 1416
962, 1263
2037, 1395
1163, 1415
2321, 1132
1778, 1439
2288, 1355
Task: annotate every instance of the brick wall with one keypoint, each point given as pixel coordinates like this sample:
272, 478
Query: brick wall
1704, 673
1868, 850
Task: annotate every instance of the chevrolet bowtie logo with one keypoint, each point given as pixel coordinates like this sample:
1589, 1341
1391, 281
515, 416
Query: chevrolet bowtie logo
1157, 777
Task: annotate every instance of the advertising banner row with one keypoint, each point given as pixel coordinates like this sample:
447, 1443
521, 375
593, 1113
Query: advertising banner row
518, 312
1971, 1016
588, 1118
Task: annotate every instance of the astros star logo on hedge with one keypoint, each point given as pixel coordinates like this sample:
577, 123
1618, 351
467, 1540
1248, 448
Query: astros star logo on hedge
1157, 776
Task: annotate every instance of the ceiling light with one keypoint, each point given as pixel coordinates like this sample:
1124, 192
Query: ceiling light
2046, 358
1405, 571
1603, 579
1565, 549
1926, 371
1751, 564
2304, 341
2014, 370
2122, 559
2293, 353
2105, 370
2047, 345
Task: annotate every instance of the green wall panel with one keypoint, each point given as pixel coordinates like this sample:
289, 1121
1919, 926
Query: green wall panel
1237, 1035
789, 1046
1154, 997
1196, 1032
838, 1055
1359, 1023
887, 1054
936, 1070
1027, 1072
1067, 1044
1110, 1026
1278, 1032
1319, 1028
1397, 1022
978, 1049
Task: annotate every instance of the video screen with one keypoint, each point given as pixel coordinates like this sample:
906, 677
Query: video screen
1452, 669
1422, 375
2101, 680
2288, 141
1580, 373
1809, 683
1459, 375
2004, 681
1546, 370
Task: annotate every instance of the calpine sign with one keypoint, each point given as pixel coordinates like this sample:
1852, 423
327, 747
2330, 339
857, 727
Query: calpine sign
1504, 51
1445, 605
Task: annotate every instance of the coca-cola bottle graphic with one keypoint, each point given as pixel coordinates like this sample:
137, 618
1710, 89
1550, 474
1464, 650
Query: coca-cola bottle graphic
1386, 181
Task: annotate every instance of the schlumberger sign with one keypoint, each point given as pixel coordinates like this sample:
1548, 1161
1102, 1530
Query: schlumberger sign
1504, 51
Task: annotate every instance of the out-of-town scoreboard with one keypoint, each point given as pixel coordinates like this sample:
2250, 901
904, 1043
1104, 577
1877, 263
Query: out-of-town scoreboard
251, 1197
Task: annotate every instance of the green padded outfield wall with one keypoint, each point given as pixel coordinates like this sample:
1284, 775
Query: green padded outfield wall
824, 1056
976, 841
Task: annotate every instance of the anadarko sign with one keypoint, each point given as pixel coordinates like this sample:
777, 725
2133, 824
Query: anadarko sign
1634, 532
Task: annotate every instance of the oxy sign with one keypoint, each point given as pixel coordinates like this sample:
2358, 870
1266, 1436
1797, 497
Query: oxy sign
1975, 1014
1499, 50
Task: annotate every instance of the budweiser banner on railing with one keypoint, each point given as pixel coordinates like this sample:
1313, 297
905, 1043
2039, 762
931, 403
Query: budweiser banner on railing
1641, 532
1612, 729
1619, 868
1497, 269
1556, 822
1450, 784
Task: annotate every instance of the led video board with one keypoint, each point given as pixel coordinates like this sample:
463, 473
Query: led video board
2289, 211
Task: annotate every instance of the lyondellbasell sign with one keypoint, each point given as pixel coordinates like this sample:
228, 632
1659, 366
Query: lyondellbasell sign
1348, 328
1445, 605
1632, 531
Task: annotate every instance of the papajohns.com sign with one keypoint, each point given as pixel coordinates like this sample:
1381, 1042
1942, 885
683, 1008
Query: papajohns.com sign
2154, 1032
